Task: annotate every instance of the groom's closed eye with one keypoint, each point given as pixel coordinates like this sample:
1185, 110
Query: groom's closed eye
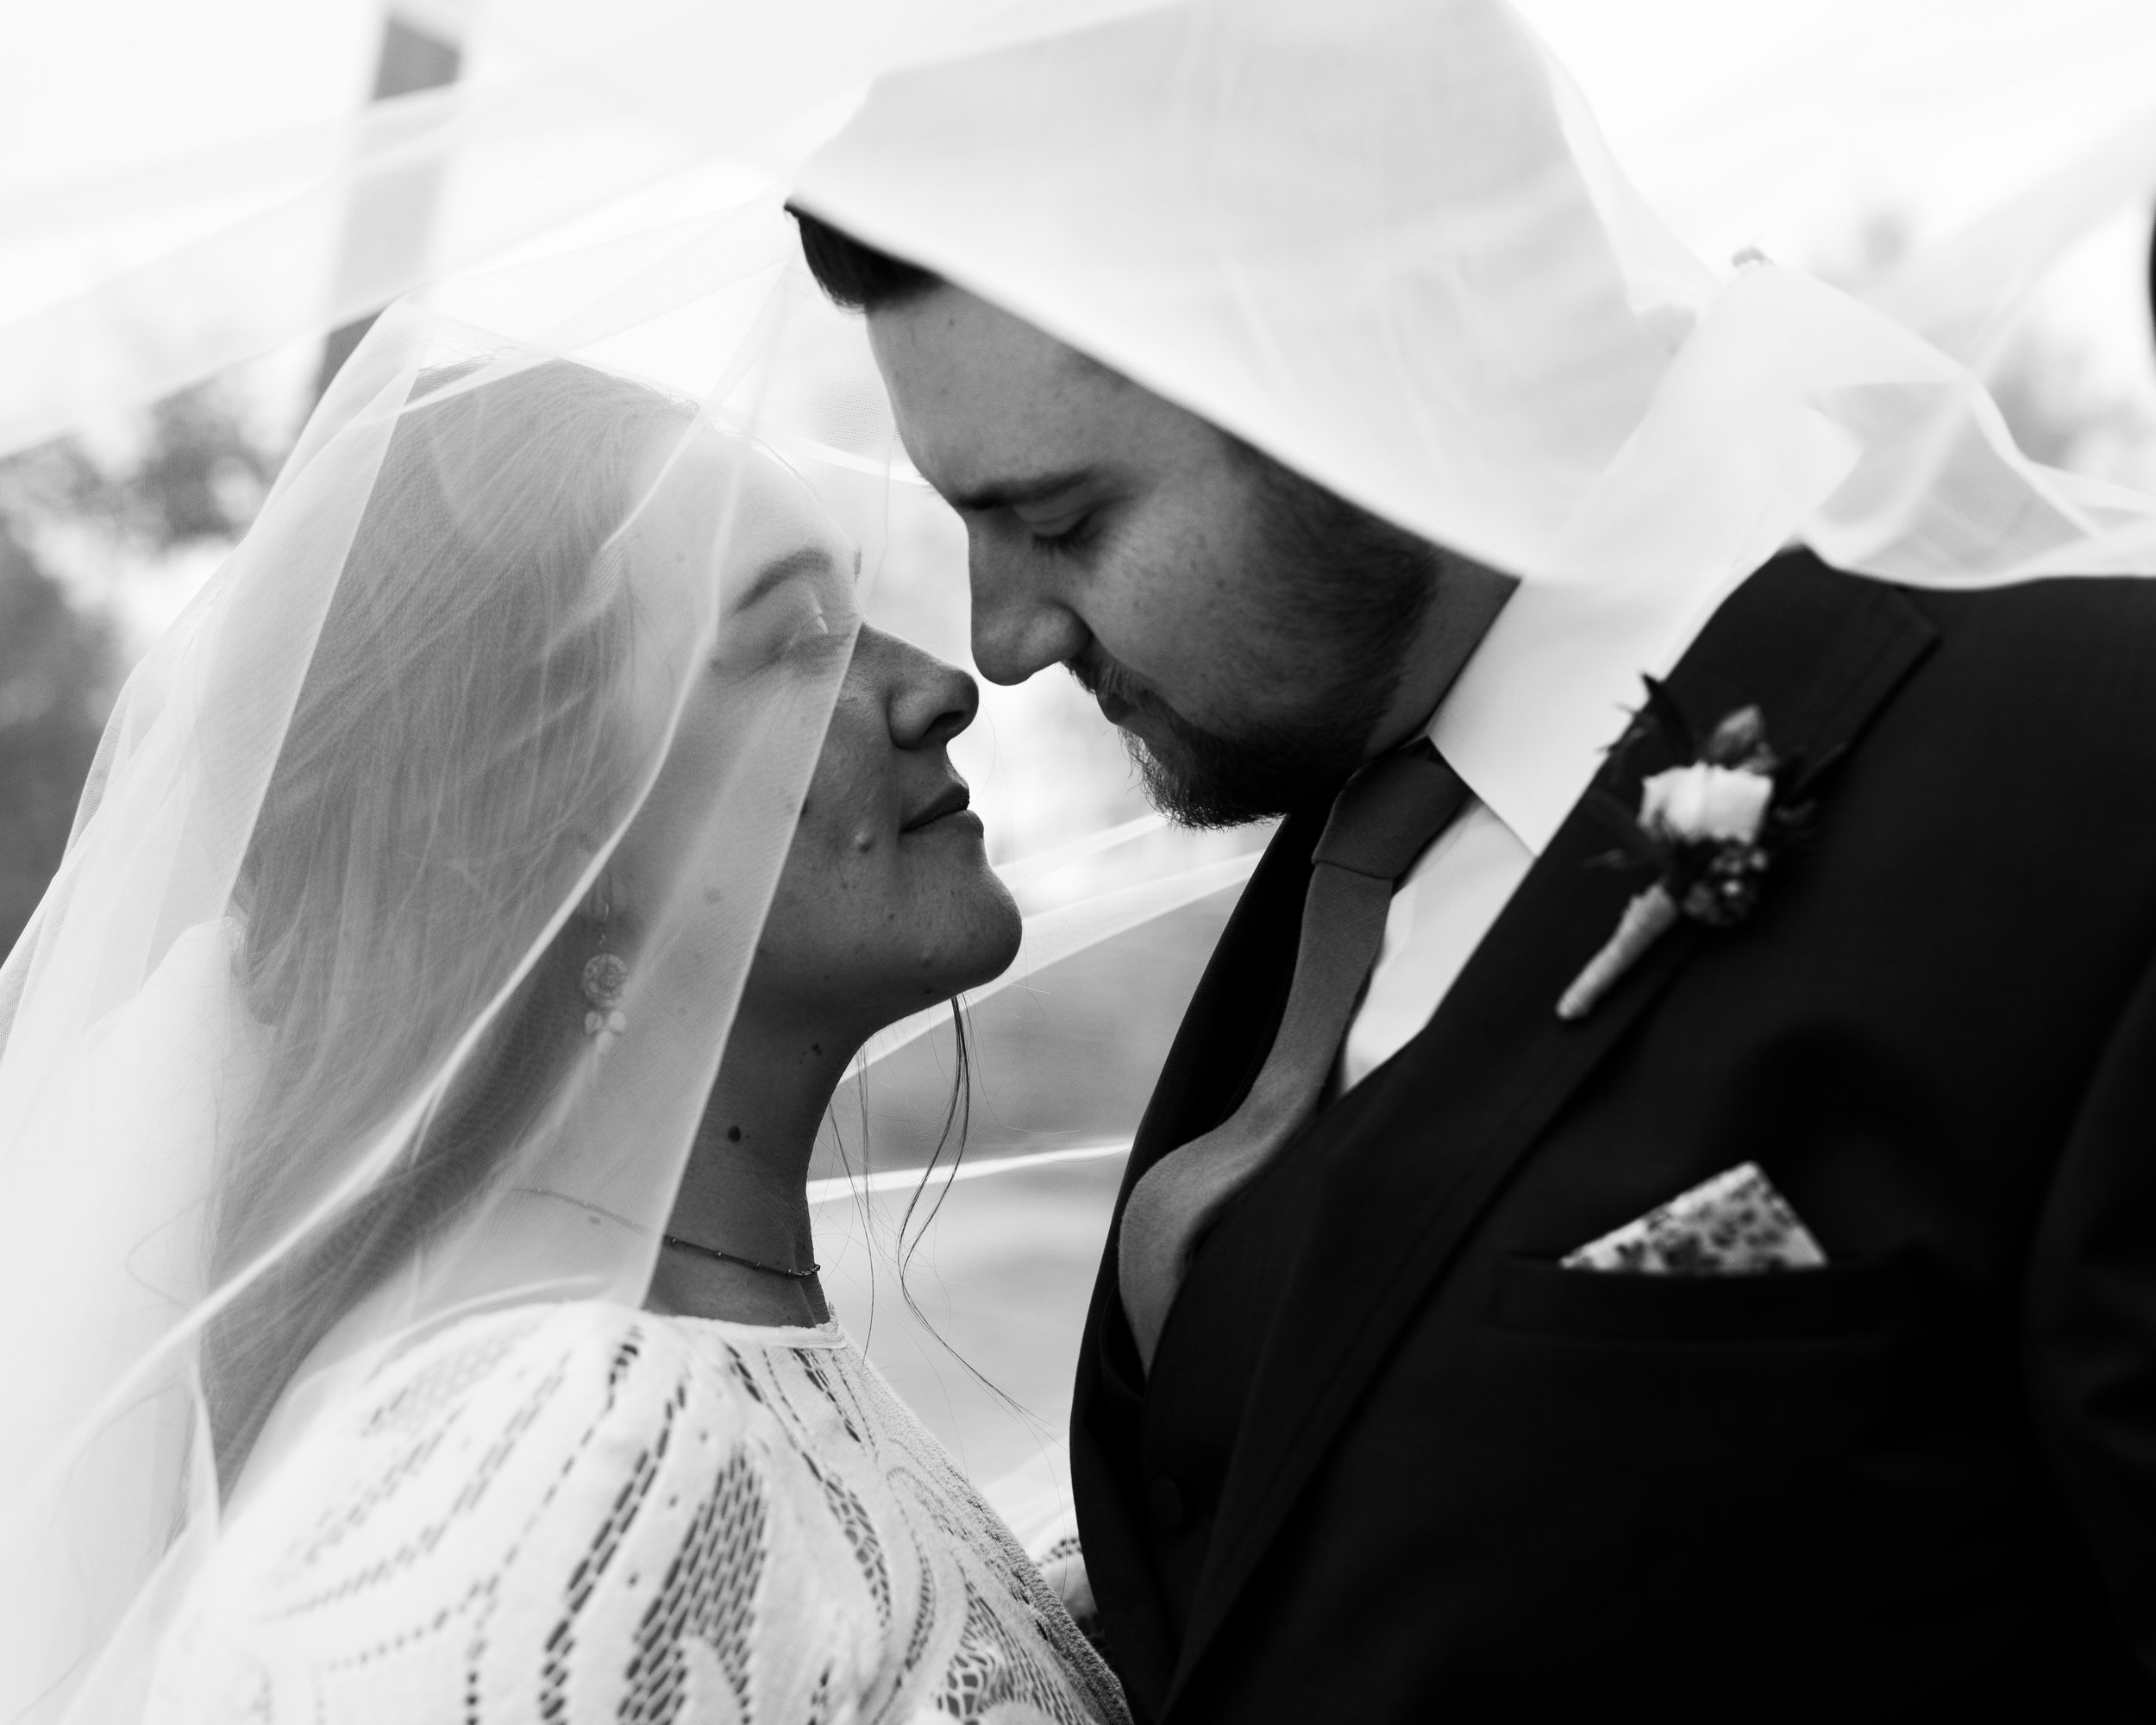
1061, 519
1055, 511
1063, 531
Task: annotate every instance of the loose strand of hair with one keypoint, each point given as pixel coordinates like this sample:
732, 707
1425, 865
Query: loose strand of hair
957, 1121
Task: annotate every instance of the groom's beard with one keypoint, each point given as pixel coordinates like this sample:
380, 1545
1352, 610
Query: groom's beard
1354, 590
1204, 779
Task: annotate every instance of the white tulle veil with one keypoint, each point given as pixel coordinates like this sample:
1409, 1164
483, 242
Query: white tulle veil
293, 1059
299, 1055
1383, 242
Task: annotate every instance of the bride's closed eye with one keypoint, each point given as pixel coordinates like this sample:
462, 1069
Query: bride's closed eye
799, 603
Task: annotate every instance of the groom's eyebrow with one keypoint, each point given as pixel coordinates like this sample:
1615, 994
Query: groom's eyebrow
1005, 493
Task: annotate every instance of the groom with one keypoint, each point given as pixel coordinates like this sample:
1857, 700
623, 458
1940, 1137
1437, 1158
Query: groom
1771, 1334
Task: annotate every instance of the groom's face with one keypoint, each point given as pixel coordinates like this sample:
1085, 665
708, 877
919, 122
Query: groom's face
1247, 631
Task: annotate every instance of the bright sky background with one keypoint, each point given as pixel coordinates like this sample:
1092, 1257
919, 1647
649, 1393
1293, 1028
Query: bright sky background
1717, 105
1747, 122
1785, 126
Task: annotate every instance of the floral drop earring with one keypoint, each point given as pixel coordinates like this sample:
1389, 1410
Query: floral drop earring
605, 979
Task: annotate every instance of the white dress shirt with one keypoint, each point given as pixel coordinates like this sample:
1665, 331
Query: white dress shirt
1546, 692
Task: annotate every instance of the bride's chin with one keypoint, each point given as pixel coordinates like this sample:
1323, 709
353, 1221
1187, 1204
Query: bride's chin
1002, 926
989, 917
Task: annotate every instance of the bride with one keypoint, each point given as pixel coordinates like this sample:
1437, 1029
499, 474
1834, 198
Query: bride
438, 1332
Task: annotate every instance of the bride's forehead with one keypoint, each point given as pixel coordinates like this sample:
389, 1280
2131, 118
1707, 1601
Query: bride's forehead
712, 481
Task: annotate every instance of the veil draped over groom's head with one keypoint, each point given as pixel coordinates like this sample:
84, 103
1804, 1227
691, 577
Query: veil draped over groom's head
1382, 241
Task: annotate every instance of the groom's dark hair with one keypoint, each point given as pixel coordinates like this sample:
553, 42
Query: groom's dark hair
856, 275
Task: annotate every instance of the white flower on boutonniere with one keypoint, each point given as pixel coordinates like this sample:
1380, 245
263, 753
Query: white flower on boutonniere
1712, 826
1685, 805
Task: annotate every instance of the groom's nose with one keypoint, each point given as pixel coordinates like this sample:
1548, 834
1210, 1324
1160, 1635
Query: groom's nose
1020, 624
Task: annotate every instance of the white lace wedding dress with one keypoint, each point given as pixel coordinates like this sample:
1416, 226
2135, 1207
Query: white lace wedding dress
585, 1513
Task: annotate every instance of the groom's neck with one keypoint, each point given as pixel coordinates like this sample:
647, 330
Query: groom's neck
1467, 602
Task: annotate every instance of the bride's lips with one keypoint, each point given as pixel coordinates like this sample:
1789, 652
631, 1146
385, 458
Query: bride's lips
952, 800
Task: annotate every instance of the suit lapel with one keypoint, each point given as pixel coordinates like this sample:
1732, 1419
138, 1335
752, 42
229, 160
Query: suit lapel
1819, 651
1215, 1058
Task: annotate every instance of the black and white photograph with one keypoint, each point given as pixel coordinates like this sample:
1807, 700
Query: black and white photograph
1077, 861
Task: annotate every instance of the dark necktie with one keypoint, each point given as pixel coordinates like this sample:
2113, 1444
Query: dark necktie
1384, 819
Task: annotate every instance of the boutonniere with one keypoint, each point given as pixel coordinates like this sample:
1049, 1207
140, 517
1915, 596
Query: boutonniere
1712, 827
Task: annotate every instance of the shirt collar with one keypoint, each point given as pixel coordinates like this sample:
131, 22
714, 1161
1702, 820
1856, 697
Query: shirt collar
1549, 687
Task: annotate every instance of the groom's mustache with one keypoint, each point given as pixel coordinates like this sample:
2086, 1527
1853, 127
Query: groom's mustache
1121, 692
1197, 755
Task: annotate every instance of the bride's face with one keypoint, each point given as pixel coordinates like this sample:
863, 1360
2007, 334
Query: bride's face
886, 902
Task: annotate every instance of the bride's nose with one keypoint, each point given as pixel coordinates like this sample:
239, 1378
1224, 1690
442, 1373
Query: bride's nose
927, 702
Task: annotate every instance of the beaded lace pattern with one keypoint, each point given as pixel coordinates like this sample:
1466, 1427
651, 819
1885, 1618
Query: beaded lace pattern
577, 1513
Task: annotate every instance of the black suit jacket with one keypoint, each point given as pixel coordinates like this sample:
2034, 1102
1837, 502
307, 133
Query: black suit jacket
1396, 1463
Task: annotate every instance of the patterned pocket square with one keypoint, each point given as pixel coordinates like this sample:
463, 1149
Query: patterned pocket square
1736, 1224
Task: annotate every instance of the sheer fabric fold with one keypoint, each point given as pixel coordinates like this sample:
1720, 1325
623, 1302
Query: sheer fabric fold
1383, 241
522, 671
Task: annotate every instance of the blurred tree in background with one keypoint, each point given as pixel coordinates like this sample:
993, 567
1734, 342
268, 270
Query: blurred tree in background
74, 522
196, 469
57, 678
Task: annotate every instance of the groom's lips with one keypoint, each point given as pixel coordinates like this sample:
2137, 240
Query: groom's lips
954, 800
1098, 675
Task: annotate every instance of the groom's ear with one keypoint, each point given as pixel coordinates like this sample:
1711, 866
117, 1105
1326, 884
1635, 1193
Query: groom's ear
855, 275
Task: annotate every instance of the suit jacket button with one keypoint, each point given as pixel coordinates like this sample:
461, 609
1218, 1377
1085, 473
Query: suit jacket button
1166, 1498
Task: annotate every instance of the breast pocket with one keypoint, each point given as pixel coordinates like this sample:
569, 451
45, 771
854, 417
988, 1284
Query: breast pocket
1535, 1296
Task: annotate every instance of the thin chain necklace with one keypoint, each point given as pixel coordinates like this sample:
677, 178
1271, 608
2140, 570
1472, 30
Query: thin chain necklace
703, 1251
676, 1240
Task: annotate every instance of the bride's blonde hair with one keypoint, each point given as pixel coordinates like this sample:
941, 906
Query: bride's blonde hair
459, 745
